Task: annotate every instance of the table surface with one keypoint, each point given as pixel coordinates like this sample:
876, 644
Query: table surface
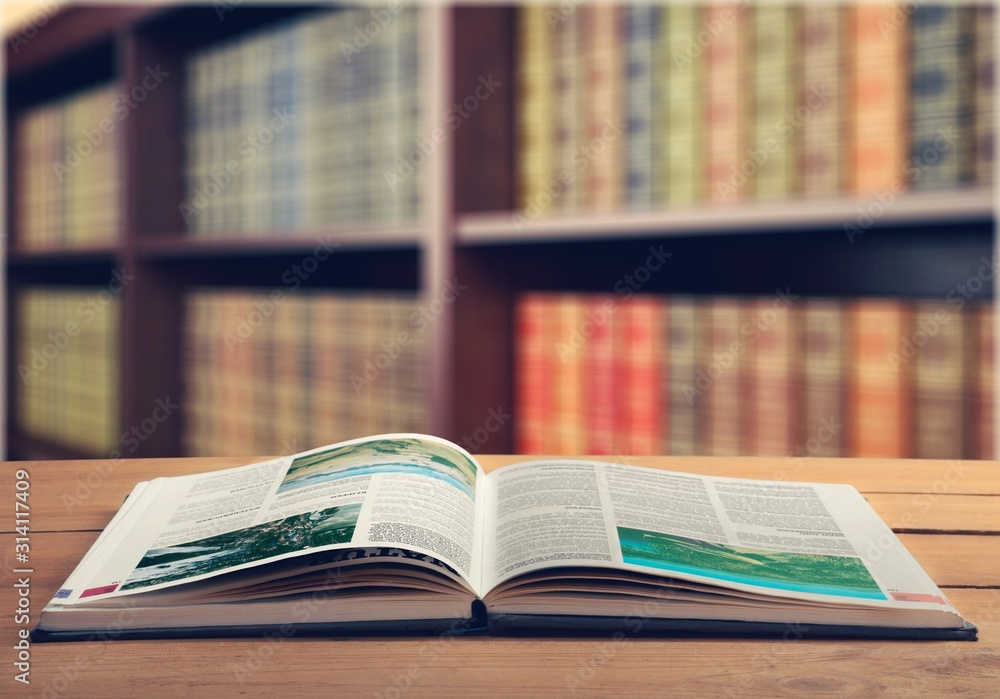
946, 513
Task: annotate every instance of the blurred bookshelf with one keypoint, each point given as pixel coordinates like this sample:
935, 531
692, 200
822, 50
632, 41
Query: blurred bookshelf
517, 92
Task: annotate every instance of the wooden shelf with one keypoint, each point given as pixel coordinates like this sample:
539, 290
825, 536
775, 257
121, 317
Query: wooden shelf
77, 256
184, 246
26, 446
926, 242
960, 205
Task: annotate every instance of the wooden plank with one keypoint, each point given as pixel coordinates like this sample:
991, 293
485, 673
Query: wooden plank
926, 512
84, 495
75, 495
455, 667
956, 560
546, 666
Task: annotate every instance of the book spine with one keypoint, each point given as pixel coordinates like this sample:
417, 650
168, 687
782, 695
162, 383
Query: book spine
328, 381
772, 141
679, 416
822, 90
878, 124
822, 374
939, 96
567, 425
939, 402
73, 399
599, 368
984, 93
535, 75
195, 354
725, 105
641, 400
641, 26
984, 441
879, 419
718, 379
606, 127
773, 411
530, 379
681, 162
568, 103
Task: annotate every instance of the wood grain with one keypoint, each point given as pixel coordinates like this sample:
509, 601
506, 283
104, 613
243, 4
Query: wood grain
538, 666
86, 494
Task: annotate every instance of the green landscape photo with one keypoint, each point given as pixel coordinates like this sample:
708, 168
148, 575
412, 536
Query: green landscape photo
835, 575
333, 525
395, 455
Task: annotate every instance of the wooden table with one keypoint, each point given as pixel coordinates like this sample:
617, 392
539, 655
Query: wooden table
946, 513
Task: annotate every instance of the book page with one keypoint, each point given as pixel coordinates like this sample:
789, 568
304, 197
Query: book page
821, 542
399, 496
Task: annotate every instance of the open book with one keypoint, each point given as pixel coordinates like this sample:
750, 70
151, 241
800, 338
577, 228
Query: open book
407, 533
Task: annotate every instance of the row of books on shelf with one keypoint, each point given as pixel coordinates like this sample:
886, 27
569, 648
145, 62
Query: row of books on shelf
264, 373
289, 128
266, 376
276, 373
312, 121
69, 158
777, 376
68, 357
686, 105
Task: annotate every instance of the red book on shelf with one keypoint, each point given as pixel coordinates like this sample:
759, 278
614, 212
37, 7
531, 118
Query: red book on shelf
567, 351
599, 376
640, 363
878, 407
531, 379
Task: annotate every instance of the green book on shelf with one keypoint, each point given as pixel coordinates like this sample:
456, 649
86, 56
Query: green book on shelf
408, 533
